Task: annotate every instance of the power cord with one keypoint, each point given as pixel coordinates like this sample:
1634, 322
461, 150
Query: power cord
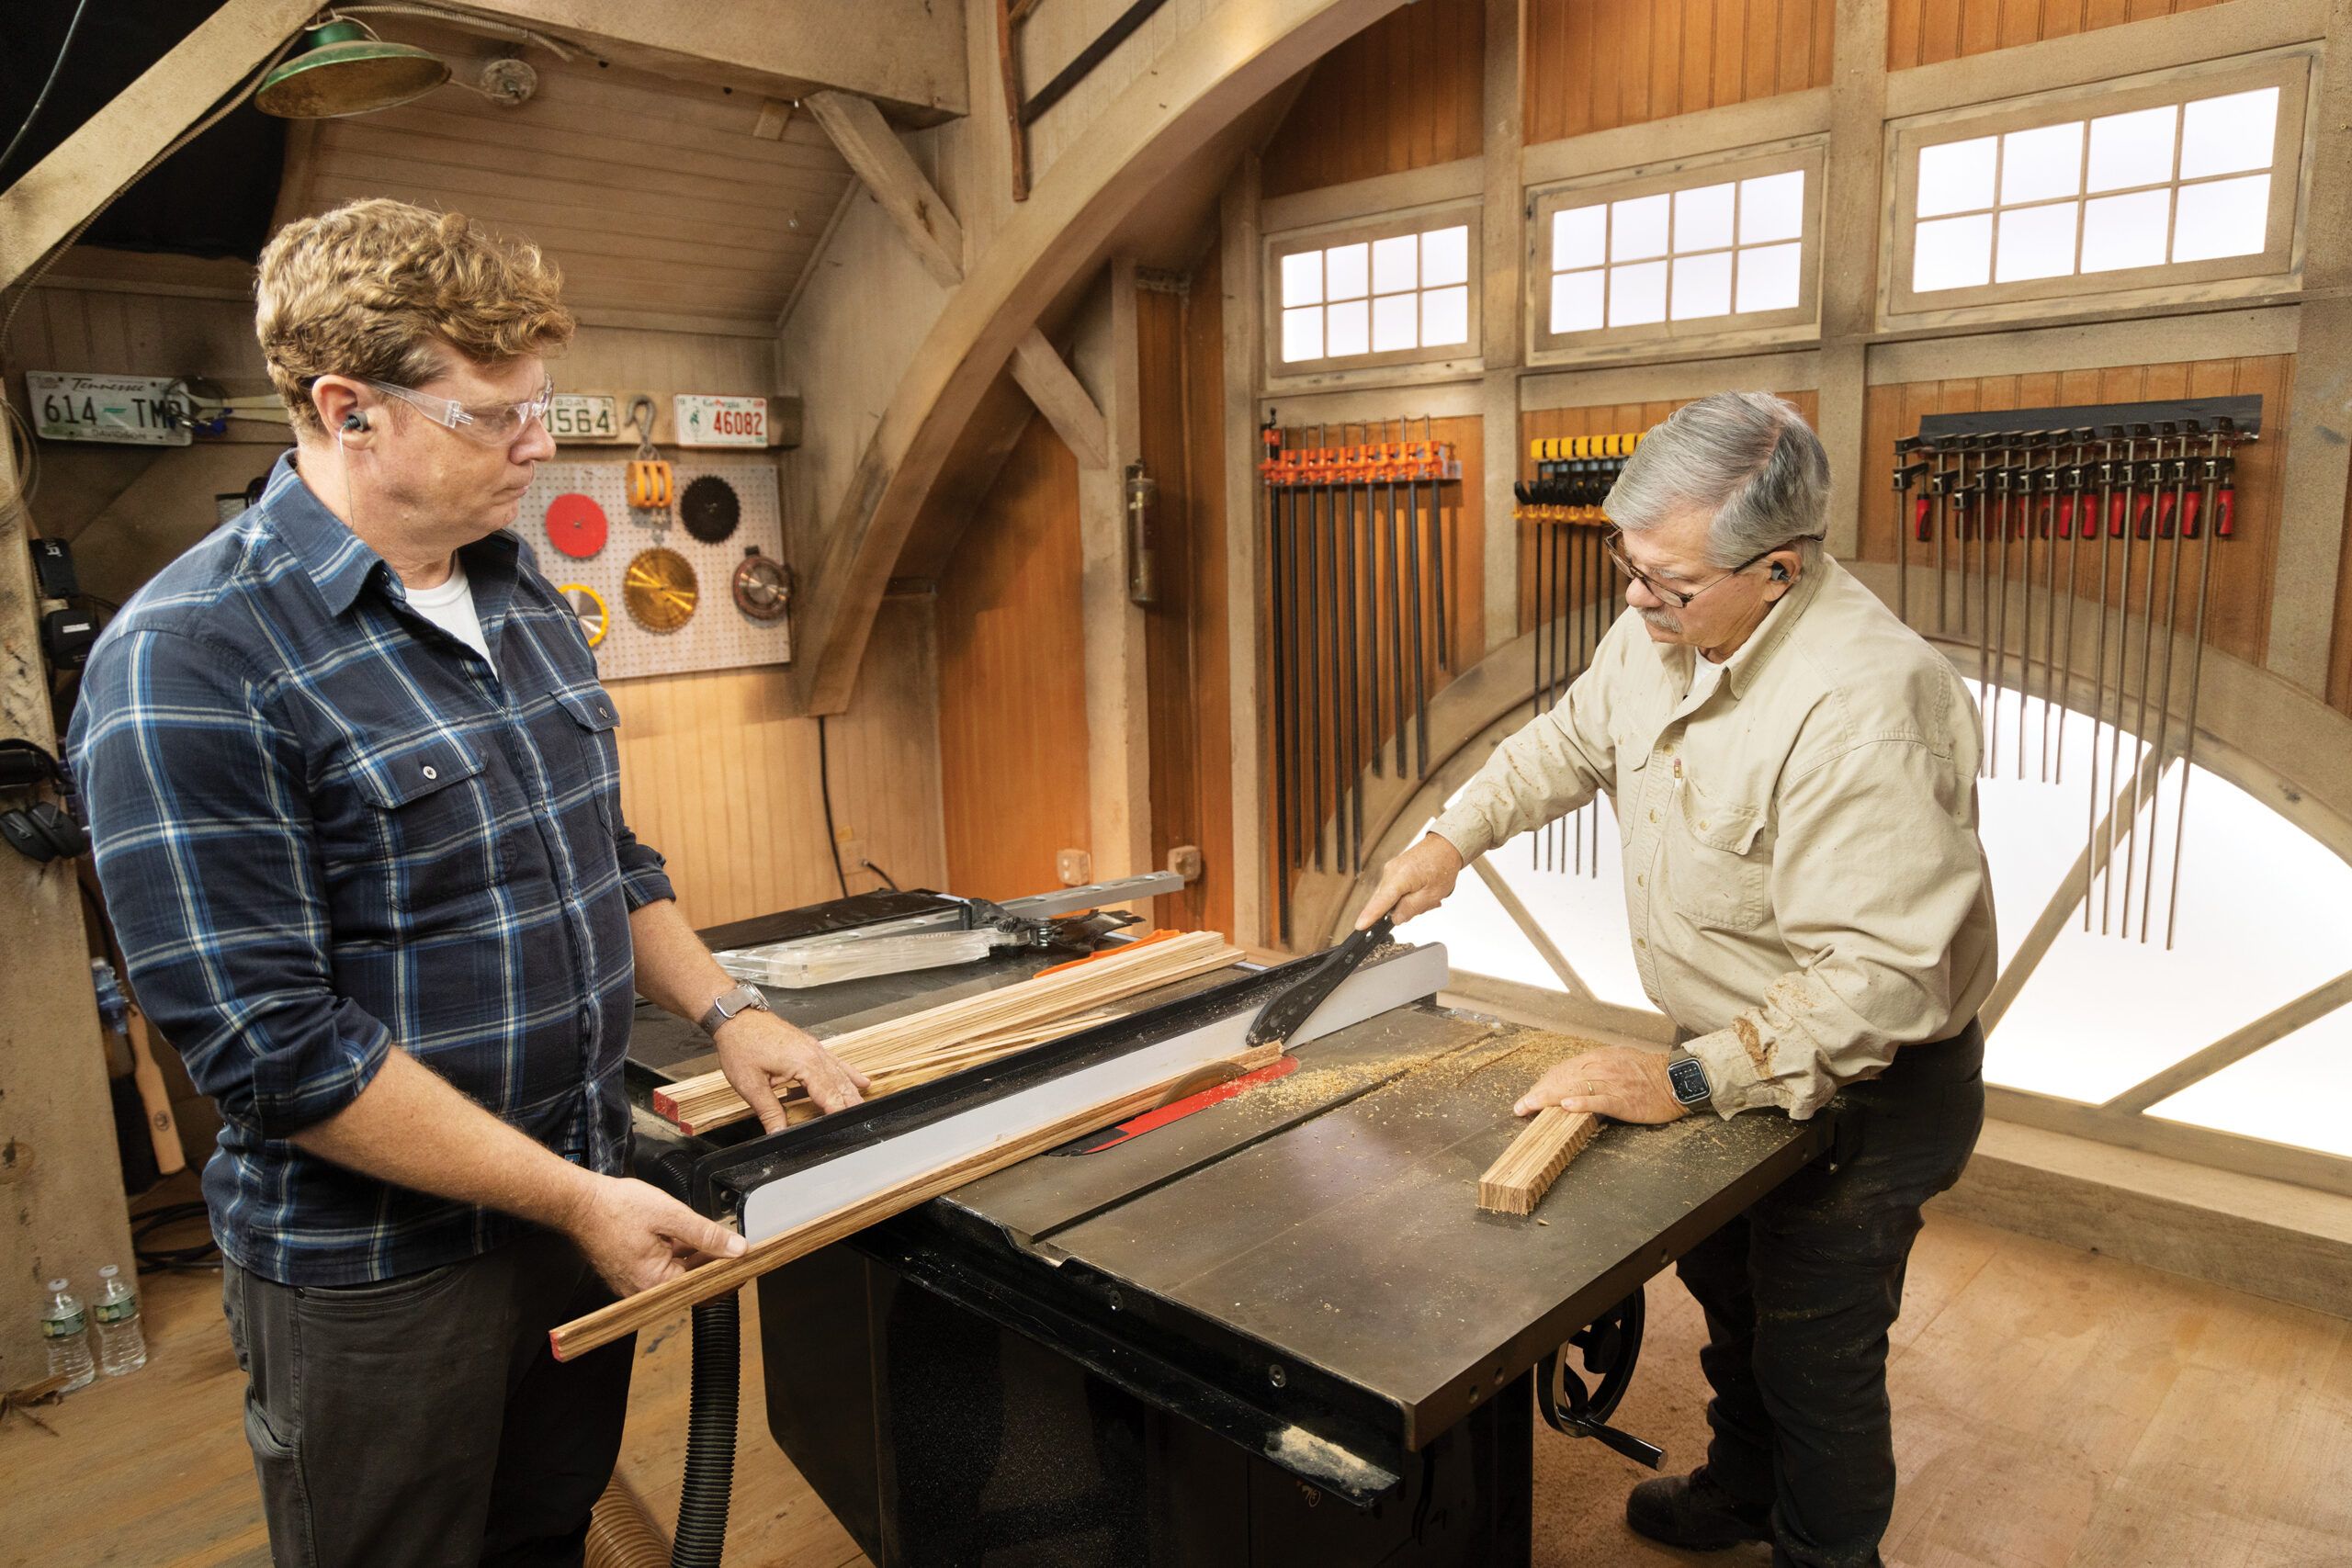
825, 789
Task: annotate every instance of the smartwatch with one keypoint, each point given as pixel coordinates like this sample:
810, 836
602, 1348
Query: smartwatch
745, 998
1688, 1077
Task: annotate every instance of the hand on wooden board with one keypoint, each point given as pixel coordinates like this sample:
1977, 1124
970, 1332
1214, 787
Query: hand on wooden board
761, 1053
1618, 1081
634, 1236
1414, 883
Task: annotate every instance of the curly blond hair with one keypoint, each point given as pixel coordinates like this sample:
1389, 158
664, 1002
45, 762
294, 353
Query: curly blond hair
381, 289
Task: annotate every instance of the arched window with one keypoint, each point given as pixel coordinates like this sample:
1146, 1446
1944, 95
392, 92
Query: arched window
2242, 1028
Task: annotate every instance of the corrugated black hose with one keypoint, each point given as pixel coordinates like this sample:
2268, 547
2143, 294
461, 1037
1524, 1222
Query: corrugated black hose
711, 1414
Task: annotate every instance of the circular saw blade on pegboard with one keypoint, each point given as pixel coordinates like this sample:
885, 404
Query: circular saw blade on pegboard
716, 635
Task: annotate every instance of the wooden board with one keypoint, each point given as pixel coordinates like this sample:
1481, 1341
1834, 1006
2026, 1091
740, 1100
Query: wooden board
1517, 1182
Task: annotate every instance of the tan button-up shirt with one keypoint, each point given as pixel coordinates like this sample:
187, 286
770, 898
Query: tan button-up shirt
1803, 875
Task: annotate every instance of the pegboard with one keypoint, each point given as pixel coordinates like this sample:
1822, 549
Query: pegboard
717, 635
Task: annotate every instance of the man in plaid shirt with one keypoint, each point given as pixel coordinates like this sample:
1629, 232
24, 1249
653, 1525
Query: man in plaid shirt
355, 800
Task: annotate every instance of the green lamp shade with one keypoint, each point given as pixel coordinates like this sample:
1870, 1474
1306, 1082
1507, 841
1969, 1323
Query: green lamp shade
343, 70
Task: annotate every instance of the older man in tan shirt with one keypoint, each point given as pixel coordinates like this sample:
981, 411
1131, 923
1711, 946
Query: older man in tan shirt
1795, 773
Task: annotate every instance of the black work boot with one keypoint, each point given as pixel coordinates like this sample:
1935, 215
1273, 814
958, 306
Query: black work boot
1691, 1512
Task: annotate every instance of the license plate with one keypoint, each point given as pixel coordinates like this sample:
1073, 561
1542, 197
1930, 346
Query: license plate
130, 411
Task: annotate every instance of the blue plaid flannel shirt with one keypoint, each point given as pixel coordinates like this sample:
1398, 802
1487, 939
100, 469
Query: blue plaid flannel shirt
324, 828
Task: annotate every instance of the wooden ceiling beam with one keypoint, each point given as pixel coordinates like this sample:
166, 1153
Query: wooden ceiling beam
869, 146
85, 171
908, 55
1068, 407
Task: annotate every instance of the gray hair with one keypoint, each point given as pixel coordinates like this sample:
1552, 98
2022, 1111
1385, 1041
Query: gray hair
1748, 458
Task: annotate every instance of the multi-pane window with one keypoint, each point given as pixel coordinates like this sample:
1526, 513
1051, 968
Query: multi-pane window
1721, 249
1373, 298
1728, 248
2137, 187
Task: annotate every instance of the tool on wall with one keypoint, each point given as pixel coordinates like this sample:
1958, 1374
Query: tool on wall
576, 525
709, 509
763, 586
652, 483
1577, 589
1346, 562
2138, 487
1138, 490
660, 589
595, 616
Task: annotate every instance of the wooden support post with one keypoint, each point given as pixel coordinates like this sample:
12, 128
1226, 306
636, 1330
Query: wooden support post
1849, 223
1503, 246
1118, 702
881, 160
61, 1207
85, 170
1517, 1182
1253, 907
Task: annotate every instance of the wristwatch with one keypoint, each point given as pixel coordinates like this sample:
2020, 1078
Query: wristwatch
745, 998
1687, 1076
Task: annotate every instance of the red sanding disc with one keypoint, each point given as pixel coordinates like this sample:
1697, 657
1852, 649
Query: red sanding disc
576, 526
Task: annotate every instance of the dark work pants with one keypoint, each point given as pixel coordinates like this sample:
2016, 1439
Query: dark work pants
1799, 1293
422, 1422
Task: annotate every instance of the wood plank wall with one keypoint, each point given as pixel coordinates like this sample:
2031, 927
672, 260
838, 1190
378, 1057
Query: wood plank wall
1593, 65
1600, 419
1923, 32
1181, 357
717, 777
1403, 94
2339, 665
2240, 611
1012, 680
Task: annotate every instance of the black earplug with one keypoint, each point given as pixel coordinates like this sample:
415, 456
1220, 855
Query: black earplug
1780, 572
357, 420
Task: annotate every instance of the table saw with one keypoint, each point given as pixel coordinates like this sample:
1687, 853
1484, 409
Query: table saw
1277, 1329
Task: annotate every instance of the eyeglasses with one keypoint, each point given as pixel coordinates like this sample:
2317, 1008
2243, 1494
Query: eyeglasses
1675, 596
490, 424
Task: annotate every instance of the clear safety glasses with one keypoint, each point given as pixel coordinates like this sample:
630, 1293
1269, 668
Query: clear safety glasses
491, 424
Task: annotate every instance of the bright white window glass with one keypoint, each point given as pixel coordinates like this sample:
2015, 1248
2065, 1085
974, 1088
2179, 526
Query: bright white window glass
2042, 163
2222, 218
1346, 271
1638, 227
1577, 301
2126, 230
1347, 329
2291, 1091
2228, 134
1951, 253
1302, 333
1445, 256
2030, 836
2132, 149
1445, 316
2261, 922
1957, 176
1303, 278
1395, 264
1702, 218
1637, 294
1702, 285
1771, 207
1768, 278
1396, 322
1585, 916
2035, 242
1579, 237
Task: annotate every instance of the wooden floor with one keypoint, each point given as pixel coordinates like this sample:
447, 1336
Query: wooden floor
2053, 1407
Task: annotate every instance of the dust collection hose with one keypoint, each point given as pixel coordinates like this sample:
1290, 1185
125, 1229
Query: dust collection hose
711, 1414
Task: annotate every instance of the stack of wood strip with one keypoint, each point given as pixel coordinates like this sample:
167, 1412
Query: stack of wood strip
1517, 1182
907, 1051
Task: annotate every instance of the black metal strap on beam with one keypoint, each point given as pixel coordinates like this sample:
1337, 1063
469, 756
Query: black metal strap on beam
1087, 59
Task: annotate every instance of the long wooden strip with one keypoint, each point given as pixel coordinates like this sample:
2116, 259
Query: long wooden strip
648, 1307
1011, 1013
1517, 1182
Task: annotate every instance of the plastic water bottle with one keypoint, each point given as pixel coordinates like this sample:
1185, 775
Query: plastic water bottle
123, 1343
64, 1332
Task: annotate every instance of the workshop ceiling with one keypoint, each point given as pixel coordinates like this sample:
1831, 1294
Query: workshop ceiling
654, 195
